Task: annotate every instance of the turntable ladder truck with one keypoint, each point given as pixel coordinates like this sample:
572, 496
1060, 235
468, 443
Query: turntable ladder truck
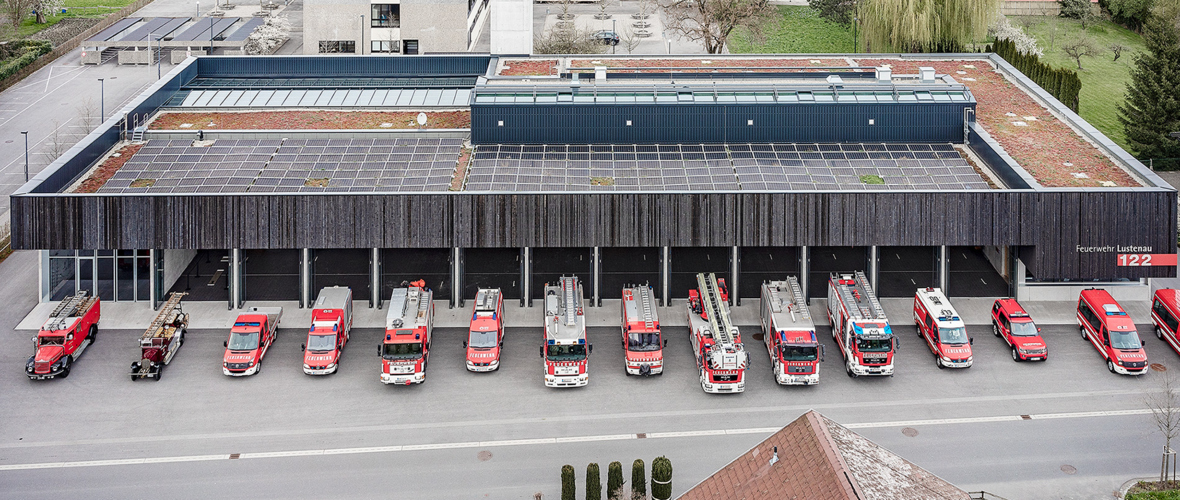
859, 326
716, 342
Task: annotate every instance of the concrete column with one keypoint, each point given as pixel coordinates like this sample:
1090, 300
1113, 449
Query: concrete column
596, 267
235, 278
942, 268
874, 266
526, 276
735, 269
456, 277
304, 278
154, 265
665, 275
804, 272
375, 278
1018, 274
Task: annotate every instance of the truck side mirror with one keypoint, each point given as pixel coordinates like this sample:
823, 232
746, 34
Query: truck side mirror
226, 344
971, 341
590, 349
665, 342
378, 350
1038, 329
501, 343
822, 350
542, 353
34, 339
302, 347
464, 344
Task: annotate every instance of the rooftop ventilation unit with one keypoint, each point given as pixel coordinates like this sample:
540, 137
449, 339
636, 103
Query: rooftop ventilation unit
884, 74
835, 80
926, 74
600, 73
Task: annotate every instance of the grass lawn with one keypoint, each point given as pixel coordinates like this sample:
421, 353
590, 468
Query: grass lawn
799, 29
1104, 81
74, 8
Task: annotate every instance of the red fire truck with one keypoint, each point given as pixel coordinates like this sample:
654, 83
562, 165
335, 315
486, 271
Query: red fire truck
795, 352
1106, 325
716, 342
1011, 323
942, 329
486, 335
642, 343
331, 324
70, 329
566, 351
249, 339
1165, 313
164, 336
408, 325
859, 326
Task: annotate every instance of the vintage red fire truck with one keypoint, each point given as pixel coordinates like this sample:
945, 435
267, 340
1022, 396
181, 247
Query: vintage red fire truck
164, 336
716, 342
486, 335
1104, 323
331, 324
942, 329
643, 345
408, 325
1011, 323
859, 326
566, 351
1165, 313
70, 329
249, 339
795, 352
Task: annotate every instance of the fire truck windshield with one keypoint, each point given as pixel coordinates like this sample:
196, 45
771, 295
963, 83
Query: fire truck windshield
1124, 340
239, 341
643, 342
956, 335
799, 353
51, 341
575, 352
1024, 329
874, 345
482, 339
402, 351
321, 342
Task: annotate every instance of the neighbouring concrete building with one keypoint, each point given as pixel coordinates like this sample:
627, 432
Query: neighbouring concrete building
392, 26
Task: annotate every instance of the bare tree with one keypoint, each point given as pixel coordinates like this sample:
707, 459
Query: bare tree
1080, 47
646, 7
1117, 49
1164, 403
567, 41
17, 10
710, 22
602, 6
565, 11
56, 144
88, 113
630, 39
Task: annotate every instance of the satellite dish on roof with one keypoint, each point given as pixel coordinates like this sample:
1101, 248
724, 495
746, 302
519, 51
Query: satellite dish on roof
421, 118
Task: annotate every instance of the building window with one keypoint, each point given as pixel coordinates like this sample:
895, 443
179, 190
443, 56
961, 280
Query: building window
338, 47
411, 46
386, 16
386, 46
122, 275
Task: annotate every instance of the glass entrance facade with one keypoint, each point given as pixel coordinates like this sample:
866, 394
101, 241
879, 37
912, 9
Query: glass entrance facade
119, 275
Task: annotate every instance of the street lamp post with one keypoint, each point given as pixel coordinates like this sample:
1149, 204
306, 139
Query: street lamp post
102, 104
26, 134
159, 50
362, 34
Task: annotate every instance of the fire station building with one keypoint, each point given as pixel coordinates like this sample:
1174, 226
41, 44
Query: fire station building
474, 171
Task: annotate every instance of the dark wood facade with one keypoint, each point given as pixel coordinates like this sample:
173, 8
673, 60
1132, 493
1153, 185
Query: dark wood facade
1048, 226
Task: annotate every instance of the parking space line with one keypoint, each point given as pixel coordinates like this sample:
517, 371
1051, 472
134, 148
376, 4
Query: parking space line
561, 440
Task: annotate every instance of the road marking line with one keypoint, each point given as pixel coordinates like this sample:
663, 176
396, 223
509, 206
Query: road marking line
561, 440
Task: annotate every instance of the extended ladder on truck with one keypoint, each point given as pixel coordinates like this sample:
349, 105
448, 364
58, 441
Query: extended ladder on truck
568, 288
645, 311
69, 308
167, 316
861, 292
717, 315
798, 303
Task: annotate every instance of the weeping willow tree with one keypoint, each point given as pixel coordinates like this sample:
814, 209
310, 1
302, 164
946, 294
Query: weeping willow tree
925, 25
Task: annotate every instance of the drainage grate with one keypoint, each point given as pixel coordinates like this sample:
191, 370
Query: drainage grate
1158, 367
1026, 417
641, 435
909, 432
235, 456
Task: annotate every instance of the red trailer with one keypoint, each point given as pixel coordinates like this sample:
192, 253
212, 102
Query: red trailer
162, 339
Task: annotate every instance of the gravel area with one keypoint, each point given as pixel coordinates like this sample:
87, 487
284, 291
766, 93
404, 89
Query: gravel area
65, 29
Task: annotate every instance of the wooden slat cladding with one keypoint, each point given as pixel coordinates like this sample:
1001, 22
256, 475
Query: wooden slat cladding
1049, 224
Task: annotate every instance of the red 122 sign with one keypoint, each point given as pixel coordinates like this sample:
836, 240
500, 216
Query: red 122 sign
1146, 259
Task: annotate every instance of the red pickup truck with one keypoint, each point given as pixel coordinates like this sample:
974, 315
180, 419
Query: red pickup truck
252, 334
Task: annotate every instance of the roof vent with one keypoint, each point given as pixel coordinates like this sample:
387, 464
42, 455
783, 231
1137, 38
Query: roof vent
600, 73
884, 74
835, 80
926, 74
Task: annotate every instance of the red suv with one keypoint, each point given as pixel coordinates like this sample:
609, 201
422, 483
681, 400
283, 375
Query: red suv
1165, 313
1011, 323
1104, 323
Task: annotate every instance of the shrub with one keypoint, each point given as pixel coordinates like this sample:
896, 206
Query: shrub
638, 479
568, 487
614, 480
661, 478
593, 483
18, 54
1061, 83
1075, 9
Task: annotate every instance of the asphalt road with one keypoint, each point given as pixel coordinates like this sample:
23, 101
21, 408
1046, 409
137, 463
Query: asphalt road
98, 413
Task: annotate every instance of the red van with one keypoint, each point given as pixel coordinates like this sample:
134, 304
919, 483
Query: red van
1104, 323
1165, 313
1011, 323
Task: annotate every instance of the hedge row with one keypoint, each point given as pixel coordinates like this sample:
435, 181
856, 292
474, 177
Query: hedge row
18, 54
1061, 83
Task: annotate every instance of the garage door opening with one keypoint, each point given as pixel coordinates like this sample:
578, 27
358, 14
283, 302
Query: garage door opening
687, 262
400, 265
342, 267
827, 260
628, 266
270, 274
550, 264
972, 274
901, 271
491, 268
206, 278
761, 264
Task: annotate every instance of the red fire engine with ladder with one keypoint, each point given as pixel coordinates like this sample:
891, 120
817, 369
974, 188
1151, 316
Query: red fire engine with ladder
566, 350
716, 342
408, 326
859, 326
642, 341
795, 351
162, 339
70, 329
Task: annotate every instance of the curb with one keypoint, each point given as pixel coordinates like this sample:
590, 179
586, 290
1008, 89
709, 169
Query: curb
1122, 493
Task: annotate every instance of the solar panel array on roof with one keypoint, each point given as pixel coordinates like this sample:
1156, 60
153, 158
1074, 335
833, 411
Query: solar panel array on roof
244, 31
690, 167
384, 82
155, 28
289, 165
199, 31
114, 29
333, 98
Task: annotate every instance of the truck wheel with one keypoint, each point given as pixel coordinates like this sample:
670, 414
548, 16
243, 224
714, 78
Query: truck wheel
1110, 365
995, 329
1158, 333
1082, 330
65, 372
180, 341
938, 361
848, 369
159, 371
93, 335
1015, 357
